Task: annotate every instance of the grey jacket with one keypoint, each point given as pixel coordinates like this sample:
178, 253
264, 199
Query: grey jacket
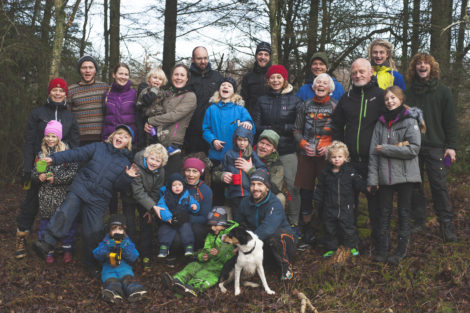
146, 186
396, 163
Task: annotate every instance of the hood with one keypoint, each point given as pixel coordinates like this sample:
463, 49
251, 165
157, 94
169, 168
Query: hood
237, 100
242, 132
197, 71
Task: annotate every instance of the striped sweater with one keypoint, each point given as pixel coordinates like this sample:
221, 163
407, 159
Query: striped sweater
86, 102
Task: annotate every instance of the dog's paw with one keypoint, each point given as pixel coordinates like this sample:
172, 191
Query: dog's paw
222, 288
270, 292
237, 292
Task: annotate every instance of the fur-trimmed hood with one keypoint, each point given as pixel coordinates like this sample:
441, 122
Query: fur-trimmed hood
236, 99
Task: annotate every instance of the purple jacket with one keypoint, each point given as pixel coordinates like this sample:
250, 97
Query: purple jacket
118, 108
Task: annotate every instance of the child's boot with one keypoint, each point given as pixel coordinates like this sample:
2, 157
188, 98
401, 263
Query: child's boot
67, 253
112, 291
21, 243
400, 253
134, 291
50, 257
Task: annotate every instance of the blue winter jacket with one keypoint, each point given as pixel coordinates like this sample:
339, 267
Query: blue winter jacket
104, 171
184, 204
228, 164
306, 92
203, 195
220, 121
262, 218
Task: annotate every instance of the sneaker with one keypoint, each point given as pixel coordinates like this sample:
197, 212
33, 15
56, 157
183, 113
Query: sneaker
296, 231
111, 296
184, 289
42, 249
172, 150
147, 264
163, 252
50, 258
136, 296
288, 275
328, 253
67, 257
189, 251
354, 252
21, 244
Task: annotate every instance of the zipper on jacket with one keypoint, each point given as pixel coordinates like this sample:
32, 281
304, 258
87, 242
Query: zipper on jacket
360, 122
389, 129
241, 178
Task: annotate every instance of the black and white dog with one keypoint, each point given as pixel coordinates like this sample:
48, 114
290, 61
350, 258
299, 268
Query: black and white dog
248, 261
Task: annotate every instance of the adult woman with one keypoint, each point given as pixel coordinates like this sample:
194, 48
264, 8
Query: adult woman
119, 102
277, 111
312, 132
179, 108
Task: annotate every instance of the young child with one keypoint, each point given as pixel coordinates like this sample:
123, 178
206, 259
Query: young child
174, 208
116, 252
54, 183
106, 169
199, 276
150, 103
334, 195
238, 164
146, 192
394, 167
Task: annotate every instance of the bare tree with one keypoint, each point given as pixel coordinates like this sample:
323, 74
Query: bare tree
114, 34
169, 39
441, 17
87, 8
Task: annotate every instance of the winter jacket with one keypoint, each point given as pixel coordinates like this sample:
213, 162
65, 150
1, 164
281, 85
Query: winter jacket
254, 85
118, 108
313, 124
52, 195
336, 191
228, 164
184, 205
306, 92
179, 108
437, 103
203, 84
278, 111
355, 117
86, 103
104, 172
214, 241
129, 255
36, 124
262, 218
146, 186
220, 122
394, 78
394, 164
276, 172
203, 195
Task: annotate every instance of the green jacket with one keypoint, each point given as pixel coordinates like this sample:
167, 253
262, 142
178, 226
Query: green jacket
214, 241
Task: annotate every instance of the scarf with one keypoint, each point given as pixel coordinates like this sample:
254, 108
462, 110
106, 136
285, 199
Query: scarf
391, 115
321, 101
421, 86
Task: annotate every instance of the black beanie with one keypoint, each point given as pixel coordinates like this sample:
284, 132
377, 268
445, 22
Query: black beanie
117, 219
85, 58
262, 176
263, 46
230, 80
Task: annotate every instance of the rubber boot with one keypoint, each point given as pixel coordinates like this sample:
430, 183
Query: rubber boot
401, 250
21, 244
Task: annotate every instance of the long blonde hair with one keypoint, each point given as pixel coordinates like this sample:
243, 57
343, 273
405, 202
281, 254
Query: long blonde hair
61, 146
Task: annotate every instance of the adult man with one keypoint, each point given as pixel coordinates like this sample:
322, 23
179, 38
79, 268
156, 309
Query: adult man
262, 213
318, 65
381, 58
439, 141
204, 81
354, 121
254, 82
86, 101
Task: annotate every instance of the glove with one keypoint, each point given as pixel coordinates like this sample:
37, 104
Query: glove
149, 98
179, 219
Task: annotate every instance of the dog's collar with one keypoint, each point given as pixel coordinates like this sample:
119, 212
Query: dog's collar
250, 250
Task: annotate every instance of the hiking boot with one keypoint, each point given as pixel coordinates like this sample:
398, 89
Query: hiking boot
67, 256
328, 254
21, 244
111, 296
354, 252
135, 292
189, 251
448, 232
184, 289
163, 252
400, 252
147, 264
42, 249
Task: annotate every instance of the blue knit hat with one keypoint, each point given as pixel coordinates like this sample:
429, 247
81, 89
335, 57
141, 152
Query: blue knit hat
127, 128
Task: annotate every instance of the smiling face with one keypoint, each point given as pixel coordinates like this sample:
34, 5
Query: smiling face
337, 158
51, 140
153, 162
57, 94
155, 81
226, 90
87, 72
392, 101
276, 82
423, 69
179, 77
121, 139
321, 87
264, 148
258, 190
263, 58
201, 58
192, 176
216, 229
242, 143
361, 72
379, 54
121, 76
318, 67
177, 187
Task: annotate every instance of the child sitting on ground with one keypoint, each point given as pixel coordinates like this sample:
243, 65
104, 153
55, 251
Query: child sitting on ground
174, 208
334, 196
116, 251
150, 103
54, 180
199, 276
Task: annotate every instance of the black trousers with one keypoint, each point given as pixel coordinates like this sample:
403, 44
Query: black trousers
281, 245
146, 229
340, 223
29, 208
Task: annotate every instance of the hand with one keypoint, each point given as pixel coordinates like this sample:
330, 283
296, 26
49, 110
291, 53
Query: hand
50, 177
147, 128
451, 153
205, 257
322, 151
246, 125
48, 160
133, 171
227, 177
372, 189
214, 251
42, 177
309, 151
148, 216
157, 210
218, 144
194, 207
149, 98
244, 165
378, 148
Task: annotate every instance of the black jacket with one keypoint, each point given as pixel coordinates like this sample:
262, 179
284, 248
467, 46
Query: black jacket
355, 117
36, 124
254, 86
203, 84
278, 111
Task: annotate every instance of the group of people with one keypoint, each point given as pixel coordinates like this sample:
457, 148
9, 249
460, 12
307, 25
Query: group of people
266, 159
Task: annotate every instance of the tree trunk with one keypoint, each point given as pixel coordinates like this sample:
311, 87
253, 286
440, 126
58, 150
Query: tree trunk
312, 31
415, 27
85, 22
37, 3
45, 49
169, 37
324, 25
274, 29
104, 72
460, 53
441, 17
59, 6
404, 48
114, 21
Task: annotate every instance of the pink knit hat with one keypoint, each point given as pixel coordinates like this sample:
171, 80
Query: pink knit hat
54, 127
194, 163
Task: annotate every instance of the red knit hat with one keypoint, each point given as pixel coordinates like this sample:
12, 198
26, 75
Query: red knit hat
277, 69
58, 82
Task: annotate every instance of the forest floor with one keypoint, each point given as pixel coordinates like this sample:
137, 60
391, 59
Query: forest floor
435, 276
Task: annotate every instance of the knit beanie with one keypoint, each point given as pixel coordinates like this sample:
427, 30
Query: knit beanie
217, 216
58, 82
174, 177
84, 58
53, 127
277, 69
271, 136
117, 219
194, 163
322, 56
231, 81
263, 46
262, 176
127, 128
